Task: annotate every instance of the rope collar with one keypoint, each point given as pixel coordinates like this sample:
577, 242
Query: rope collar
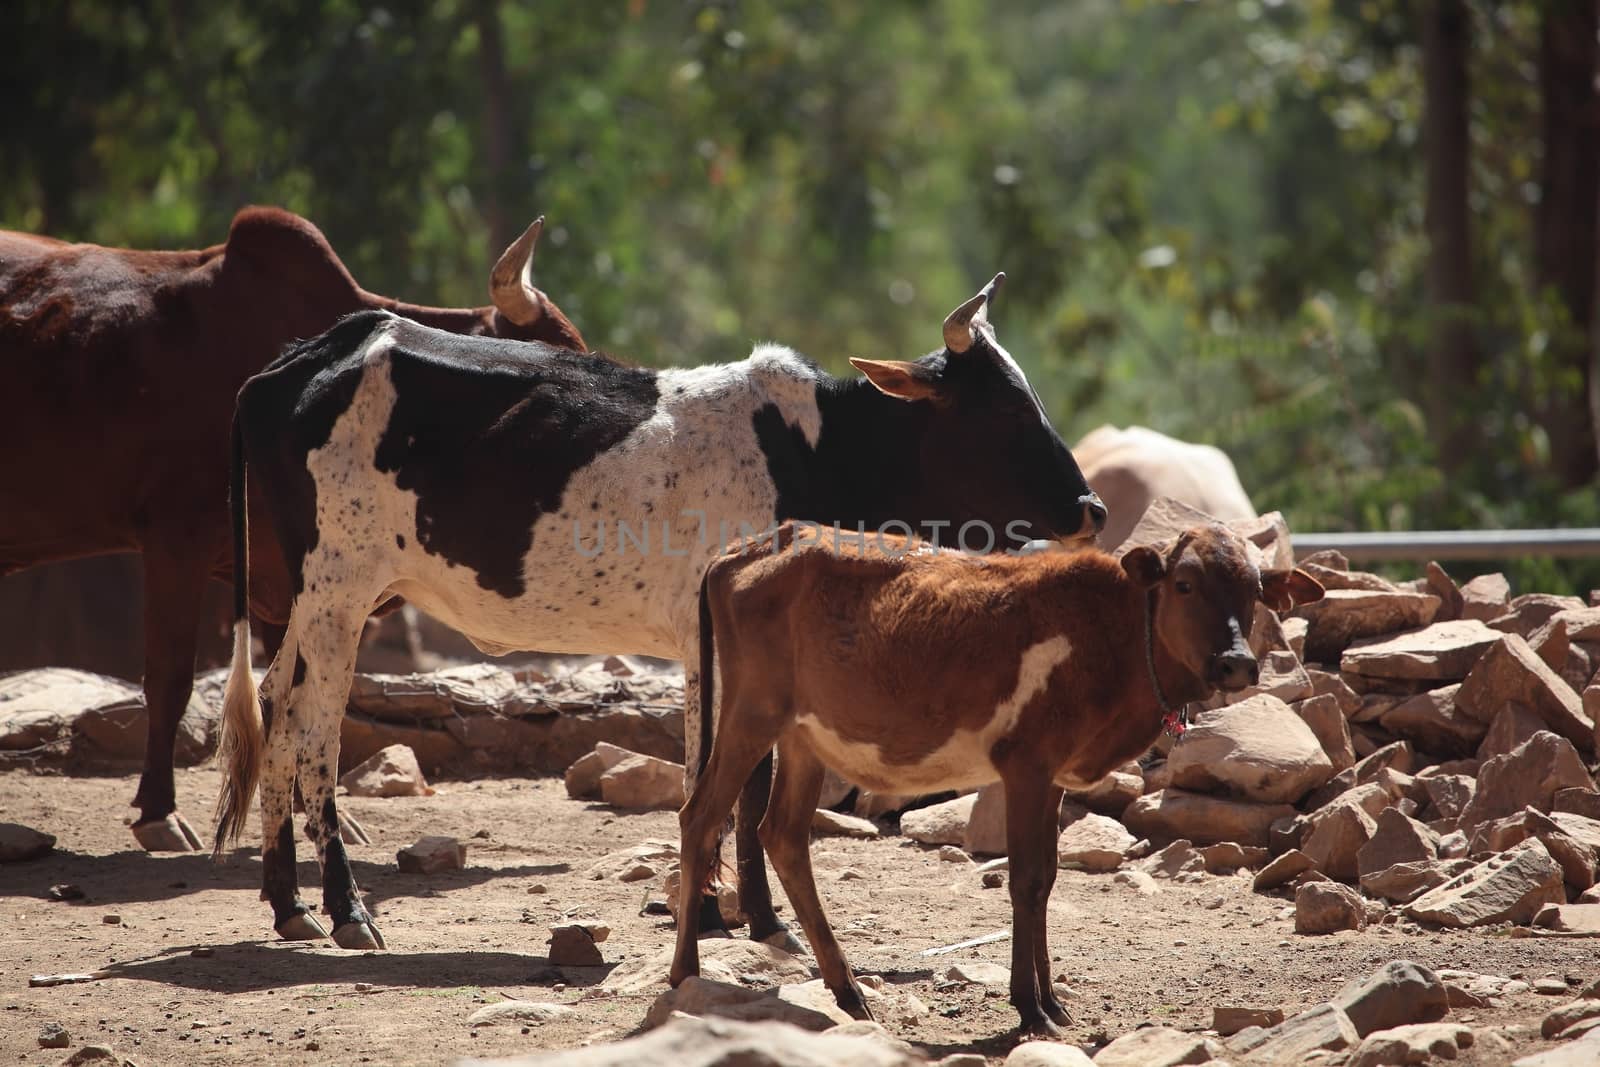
1174, 722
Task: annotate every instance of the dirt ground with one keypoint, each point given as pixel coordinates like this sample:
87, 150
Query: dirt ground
463, 939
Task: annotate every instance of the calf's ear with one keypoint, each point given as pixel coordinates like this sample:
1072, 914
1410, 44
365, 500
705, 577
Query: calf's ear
1284, 589
898, 378
1144, 565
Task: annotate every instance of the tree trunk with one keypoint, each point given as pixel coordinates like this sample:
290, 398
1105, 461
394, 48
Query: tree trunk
1567, 225
498, 135
1452, 349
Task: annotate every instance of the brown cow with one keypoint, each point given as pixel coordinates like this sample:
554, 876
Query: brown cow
121, 369
910, 671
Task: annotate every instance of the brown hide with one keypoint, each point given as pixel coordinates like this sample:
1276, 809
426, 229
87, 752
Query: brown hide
120, 369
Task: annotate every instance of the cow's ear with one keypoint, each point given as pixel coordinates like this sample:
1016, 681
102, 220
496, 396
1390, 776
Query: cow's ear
1284, 589
1144, 565
899, 379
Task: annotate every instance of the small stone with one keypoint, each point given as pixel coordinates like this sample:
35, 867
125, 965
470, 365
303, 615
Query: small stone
1412, 1043
940, 824
518, 1013
390, 772
66, 891
1550, 987
1094, 842
204, 952
1047, 1054
1328, 907
837, 824
574, 946
1286, 867
1158, 1045
538, 889
953, 854
432, 854
850, 874
979, 972
54, 1035
1229, 1021
111, 920
993, 879
643, 783
20, 843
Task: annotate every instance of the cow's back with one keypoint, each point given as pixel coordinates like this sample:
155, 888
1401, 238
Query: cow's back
1130, 468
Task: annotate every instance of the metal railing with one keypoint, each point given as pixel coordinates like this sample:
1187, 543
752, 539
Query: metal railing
1579, 543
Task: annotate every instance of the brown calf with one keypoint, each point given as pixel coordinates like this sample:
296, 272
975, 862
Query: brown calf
910, 671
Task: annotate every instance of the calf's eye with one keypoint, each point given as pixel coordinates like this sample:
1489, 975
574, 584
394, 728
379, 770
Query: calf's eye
1184, 588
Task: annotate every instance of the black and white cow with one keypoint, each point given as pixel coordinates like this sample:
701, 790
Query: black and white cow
535, 498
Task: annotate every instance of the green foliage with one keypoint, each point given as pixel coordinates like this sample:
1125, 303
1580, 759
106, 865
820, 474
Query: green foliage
1210, 213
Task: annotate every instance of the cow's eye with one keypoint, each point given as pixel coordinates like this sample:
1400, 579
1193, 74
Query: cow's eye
1184, 588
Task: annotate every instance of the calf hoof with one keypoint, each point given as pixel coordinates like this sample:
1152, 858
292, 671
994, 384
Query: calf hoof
1042, 1027
172, 834
301, 926
359, 936
352, 832
855, 1005
783, 939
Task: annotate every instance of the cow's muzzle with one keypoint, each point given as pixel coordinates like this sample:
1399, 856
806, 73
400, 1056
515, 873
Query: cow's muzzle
1234, 669
1094, 512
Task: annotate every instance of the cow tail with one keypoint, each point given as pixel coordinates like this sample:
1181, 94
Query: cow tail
242, 737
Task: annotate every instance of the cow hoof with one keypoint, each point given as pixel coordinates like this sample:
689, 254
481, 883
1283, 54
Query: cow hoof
302, 926
855, 1006
708, 935
1058, 1013
172, 834
1043, 1028
359, 936
352, 832
785, 941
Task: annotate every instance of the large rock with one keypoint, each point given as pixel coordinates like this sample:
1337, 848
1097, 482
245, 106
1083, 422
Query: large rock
1401, 883
1398, 993
985, 834
940, 824
1335, 834
1443, 652
643, 783
1414, 1043
1112, 794
1431, 721
519, 1013
19, 843
583, 777
686, 1041
1528, 613
1512, 725
1344, 616
1327, 908
1324, 1027
1047, 1054
836, 824
721, 959
1397, 839
1577, 857
1095, 843
1511, 671
808, 1005
93, 716
1170, 814
389, 772
1509, 887
1485, 597
432, 854
1331, 727
1448, 794
1528, 776
1158, 1046
1291, 864
1258, 749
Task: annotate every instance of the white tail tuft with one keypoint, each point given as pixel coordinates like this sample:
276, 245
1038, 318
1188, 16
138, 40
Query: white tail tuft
240, 750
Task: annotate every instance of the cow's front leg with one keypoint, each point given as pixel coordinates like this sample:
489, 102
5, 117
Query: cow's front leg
1030, 837
1041, 940
174, 582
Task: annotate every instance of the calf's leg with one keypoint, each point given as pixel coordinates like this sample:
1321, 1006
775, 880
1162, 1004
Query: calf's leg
1030, 837
755, 895
175, 572
786, 833
1041, 941
741, 742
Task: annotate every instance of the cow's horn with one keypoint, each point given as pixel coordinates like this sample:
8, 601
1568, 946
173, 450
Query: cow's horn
958, 327
513, 296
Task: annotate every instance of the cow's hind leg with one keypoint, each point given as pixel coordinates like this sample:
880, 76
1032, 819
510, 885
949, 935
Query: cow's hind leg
329, 647
786, 833
702, 821
755, 895
279, 886
175, 574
